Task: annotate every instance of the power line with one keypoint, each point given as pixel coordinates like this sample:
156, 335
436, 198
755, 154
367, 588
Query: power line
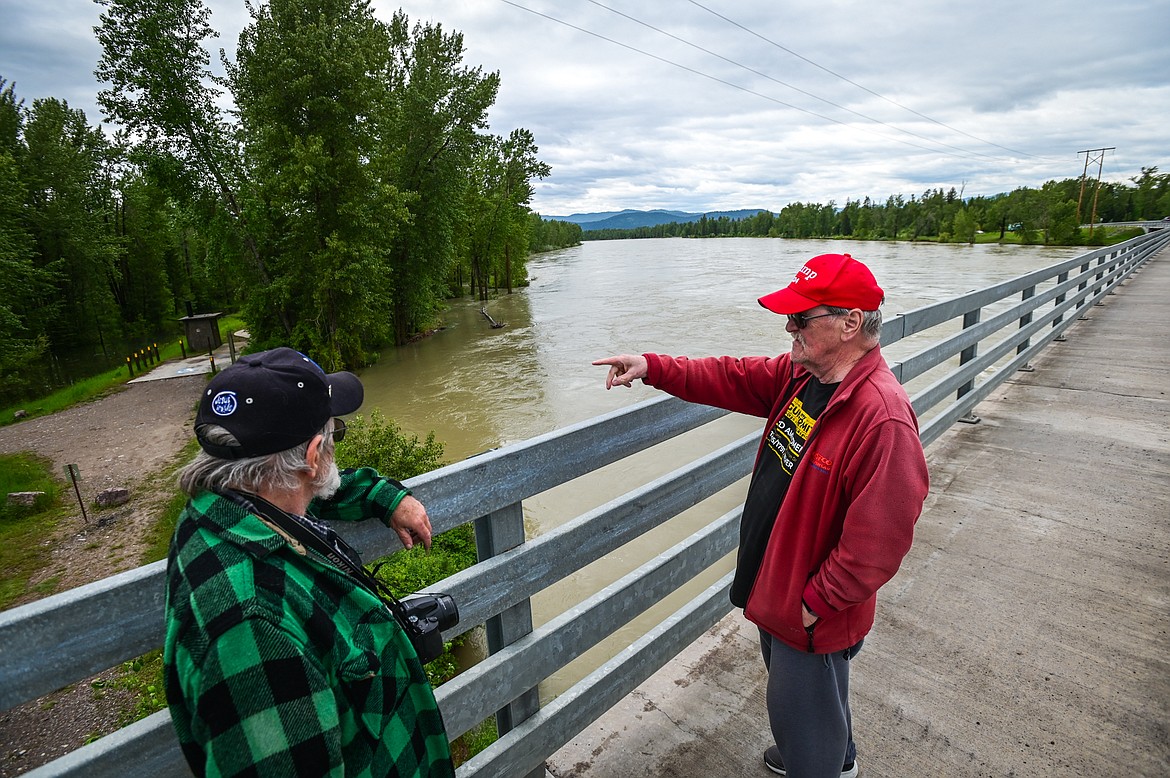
854, 83
722, 81
785, 84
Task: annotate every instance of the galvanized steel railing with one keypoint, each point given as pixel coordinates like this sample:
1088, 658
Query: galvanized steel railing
1047, 301
982, 338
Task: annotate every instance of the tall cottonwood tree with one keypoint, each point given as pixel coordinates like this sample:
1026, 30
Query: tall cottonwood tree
317, 133
163, 91
440, 113
498, 200
346, 171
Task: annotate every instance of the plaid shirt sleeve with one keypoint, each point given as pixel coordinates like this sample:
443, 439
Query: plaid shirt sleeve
363, 494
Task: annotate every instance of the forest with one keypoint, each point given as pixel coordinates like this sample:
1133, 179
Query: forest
334, 186
1054, 214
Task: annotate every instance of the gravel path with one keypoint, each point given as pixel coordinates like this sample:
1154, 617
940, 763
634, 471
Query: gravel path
118, 439
129, 438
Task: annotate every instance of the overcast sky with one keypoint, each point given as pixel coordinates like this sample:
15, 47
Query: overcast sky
701, 105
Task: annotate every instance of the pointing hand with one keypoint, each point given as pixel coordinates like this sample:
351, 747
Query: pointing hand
623, 369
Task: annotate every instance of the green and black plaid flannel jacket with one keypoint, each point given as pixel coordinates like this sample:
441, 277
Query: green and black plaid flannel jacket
279, 664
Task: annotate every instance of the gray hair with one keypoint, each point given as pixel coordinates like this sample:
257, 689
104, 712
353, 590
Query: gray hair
279, 471
871, 321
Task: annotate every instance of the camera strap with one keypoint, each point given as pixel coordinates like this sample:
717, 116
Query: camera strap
321, 538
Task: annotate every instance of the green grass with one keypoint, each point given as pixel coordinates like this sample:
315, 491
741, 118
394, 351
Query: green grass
473, 741
22, 530
82, 391
143, 678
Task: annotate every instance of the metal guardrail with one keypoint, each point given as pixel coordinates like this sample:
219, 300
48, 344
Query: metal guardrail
71, 636
1145, 224
1048, 298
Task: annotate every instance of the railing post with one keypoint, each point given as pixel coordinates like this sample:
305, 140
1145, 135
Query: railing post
970, 319
1025, 320
1100, 274
496, 533
1060, 279
1085, 302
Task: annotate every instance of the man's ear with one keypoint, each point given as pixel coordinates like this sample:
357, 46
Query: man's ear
853, 323
313, 455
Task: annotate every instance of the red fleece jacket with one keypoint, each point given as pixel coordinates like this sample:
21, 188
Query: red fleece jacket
848, 517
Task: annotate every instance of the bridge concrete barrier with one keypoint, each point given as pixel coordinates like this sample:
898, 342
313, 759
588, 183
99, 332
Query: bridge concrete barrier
1026, 634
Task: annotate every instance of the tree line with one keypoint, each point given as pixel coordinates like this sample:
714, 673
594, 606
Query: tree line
335, 185
1052, 214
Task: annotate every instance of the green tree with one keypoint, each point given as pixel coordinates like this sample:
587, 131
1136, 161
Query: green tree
1150, 187
550, 234
964, 226
1064, 228
498, 198
162, 90
440, 109
22, 286
148, 257
930, 214
69, 216
318, 132
342, 183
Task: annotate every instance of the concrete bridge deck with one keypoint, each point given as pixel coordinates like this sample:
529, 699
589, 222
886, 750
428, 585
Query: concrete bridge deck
1027, 632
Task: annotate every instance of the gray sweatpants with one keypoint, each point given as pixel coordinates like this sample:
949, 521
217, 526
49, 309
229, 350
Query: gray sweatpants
808, 708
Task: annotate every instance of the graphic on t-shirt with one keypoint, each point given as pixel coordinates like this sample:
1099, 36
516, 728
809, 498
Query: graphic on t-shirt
784, 446
788, 437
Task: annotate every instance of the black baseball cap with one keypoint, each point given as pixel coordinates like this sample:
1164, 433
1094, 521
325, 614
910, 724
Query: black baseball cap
273, 401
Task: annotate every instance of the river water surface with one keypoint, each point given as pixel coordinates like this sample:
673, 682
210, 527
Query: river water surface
479, 388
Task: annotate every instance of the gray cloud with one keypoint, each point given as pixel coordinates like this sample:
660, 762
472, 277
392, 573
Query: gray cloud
680, 128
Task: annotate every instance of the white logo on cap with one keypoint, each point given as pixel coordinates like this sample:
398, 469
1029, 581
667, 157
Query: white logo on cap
804, 272
224, 404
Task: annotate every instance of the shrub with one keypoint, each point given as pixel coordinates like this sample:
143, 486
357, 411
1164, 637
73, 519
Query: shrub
379, 443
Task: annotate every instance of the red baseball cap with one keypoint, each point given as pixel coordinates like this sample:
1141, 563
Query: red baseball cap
836, 280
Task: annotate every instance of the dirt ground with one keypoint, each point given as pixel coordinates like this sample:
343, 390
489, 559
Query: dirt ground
130, 438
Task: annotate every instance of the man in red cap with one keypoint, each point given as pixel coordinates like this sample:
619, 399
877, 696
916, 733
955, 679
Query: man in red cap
838, 483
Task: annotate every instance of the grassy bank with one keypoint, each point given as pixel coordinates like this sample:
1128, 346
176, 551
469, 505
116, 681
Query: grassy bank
23, 553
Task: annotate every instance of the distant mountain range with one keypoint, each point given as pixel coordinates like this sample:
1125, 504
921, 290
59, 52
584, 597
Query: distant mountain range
630, 219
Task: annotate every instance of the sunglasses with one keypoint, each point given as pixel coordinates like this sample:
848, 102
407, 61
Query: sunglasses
338, 430
800, 321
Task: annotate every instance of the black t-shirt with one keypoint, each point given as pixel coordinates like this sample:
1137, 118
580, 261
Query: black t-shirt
784, 445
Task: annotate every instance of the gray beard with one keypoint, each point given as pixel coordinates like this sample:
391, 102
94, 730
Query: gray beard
328, 483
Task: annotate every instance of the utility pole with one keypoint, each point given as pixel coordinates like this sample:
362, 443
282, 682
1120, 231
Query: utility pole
1100, 160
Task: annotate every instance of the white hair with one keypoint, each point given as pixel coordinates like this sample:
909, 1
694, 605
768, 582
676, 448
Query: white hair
280, 471
871, 321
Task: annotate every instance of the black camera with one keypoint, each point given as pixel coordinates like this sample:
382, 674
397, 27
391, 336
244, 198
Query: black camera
423, 616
